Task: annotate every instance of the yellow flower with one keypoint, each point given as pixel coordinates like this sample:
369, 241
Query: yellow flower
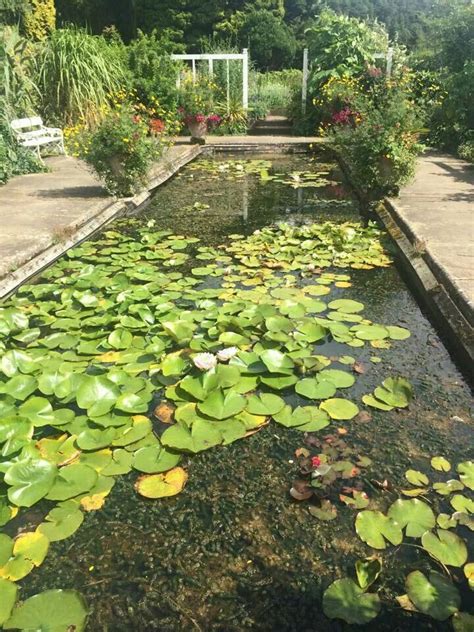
126, 140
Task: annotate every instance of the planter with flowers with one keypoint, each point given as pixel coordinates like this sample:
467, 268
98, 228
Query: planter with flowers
196, 100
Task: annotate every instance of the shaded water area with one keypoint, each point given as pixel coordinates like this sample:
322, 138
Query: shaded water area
233, 551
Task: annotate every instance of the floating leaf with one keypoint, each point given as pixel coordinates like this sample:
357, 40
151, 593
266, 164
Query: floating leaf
338, 408
29, 480
373, 528
221, 405
345, 600
162, 485
395, 391
8, 591
201, 436
436, 596
440, 463
276, 361
463, 622
367, 571
346, 305
466, 473
414, 514
155, 459
313, 388
416, 478
445, 546
71, 481
97, 395
462, 503
32, 546
327, 511
264, 404
55, 610
61, 522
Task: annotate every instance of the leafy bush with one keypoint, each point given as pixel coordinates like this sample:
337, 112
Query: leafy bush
342, 46
121, 150
153, 73
377, 135
271, 42
466, 150
77, 73
234, 119
39, 19
15, 160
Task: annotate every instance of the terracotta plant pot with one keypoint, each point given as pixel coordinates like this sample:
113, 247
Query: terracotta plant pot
198, 129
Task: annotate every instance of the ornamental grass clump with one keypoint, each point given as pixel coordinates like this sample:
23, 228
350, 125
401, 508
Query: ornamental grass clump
121, 150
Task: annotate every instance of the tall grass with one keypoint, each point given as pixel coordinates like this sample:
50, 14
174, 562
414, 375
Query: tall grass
77, 73
18, 91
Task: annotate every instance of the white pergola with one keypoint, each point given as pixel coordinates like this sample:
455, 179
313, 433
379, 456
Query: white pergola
227, 57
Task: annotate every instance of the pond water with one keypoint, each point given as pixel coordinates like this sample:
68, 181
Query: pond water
234, 551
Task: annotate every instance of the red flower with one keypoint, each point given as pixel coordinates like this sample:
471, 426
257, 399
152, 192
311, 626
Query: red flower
315, 461
157, 126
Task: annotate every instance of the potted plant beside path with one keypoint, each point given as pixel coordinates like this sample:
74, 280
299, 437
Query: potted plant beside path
196, 100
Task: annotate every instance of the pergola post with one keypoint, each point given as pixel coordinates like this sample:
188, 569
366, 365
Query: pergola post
245, 82
304, 89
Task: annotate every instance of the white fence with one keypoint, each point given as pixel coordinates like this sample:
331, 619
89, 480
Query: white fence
211, 58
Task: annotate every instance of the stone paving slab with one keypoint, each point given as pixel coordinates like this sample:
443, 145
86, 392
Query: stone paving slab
437, 209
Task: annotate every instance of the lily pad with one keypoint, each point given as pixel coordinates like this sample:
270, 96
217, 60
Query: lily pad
71, 481
416, 478
221, 405
61, 522
30, 480
162, 485
276, 361
313, 388
445, 546
345, 600
338, 408
440, 463
374, 528
97, 395
52, 610
414, 514
435, 596
264, 404
466, 473
8, 591
155, 459
395, 391
367, 571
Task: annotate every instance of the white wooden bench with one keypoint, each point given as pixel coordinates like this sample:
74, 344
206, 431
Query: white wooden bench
31, 133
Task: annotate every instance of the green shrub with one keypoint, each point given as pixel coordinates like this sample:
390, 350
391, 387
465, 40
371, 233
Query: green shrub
121, 151
275, 90
377, 136
466, 150
77, 75
15, 160
39, 19
153, 73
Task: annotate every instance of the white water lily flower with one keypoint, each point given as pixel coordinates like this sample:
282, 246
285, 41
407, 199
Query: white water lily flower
205, 361
226, 354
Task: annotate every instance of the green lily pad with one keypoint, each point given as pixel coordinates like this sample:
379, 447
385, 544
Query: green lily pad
97, 395
326, 512
313, 388
416, 478
373, 402
264, 404
367, 571
440, 463
338, 408
395, 391
466, 473
413, 514
155, 459
345, 600
120, 339
20, 386
30, 480
346, 305
445, 546
463, 622
38, 410
61, 522
221, 405
201, 436
435, 596
8, 591
374, 528
340, 379
51, 611
276, 361
71, 481
444, 489
462, 503
397, 333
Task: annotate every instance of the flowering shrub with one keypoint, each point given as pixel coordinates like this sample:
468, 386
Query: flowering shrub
374, 123
197, 102
121, 150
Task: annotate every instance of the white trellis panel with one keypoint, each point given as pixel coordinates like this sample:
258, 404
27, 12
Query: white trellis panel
228, 57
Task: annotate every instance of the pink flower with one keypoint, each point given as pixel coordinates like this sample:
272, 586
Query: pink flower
315, 461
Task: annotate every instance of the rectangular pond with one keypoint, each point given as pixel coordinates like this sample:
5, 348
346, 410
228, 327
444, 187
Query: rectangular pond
269, 257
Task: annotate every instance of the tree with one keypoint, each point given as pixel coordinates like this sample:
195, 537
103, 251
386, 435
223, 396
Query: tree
271, 42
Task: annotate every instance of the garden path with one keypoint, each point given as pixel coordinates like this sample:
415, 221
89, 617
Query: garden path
437, 211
